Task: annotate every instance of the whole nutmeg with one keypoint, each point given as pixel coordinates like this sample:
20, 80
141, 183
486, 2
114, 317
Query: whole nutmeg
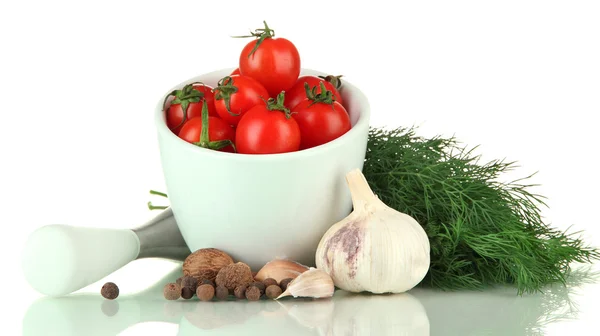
234, 275
269, 281
205, 292
206, 263
273, 291
172, 291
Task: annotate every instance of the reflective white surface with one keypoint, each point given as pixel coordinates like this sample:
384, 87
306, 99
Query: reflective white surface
420, 312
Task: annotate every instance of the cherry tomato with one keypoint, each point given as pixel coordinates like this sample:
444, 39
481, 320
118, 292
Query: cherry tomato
237, 94
189, 98
235, 72
297, 93
219, 135
320, 119
274, 62
268, 129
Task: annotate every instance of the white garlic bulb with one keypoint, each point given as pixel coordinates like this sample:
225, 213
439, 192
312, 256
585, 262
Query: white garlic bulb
376, 248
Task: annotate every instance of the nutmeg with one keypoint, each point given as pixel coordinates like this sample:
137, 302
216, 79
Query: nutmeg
231, 276
205, 264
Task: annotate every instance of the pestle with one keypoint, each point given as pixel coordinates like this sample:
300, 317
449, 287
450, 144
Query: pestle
60, 259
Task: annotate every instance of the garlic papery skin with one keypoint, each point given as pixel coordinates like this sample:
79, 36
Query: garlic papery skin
376, 248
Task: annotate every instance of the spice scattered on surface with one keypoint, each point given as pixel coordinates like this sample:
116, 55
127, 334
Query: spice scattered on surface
207, 282
172, 291
178, 281
269, 281
240, 292
273, 291
205, 292
189, 281
205, 263
260, 286
110, 291
187, 293
253, 293
234, 275
284, 283
222, 293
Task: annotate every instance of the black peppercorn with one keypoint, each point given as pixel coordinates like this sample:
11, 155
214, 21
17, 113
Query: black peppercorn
187, 293
222, 292
189, 281
110, 291
284, 283
261, 286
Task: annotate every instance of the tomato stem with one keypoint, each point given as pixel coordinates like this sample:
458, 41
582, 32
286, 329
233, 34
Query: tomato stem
278, 105
261, 34
325, 96
184, 97
204, 140
336, 81
157, 207
154, 192
225, 89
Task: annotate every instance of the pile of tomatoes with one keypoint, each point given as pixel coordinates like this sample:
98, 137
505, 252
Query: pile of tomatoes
263, 107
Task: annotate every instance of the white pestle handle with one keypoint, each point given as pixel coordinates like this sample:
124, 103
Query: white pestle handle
60, 259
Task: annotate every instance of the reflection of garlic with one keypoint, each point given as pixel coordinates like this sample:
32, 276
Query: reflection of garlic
376, 248
313, 283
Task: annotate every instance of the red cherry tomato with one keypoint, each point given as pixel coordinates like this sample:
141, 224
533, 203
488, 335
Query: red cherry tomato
235, 95
297, 93
274, 62
219, 135
320, 119
235, 72
268, 129
190, 98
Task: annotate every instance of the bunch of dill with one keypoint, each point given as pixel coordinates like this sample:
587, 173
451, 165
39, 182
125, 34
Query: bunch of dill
482, 232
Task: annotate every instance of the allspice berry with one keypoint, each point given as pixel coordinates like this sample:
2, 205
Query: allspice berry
273, 291
208, 282
172, 291
234, 275
189, 281
269, 281
109, 291
178, 281
205, 292
240, 292
260, 286
222, 293
187, 293
284, 283
253, 293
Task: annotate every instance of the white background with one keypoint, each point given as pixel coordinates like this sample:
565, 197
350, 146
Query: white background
79, 82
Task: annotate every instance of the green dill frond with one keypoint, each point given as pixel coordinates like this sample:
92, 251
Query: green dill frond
482, 232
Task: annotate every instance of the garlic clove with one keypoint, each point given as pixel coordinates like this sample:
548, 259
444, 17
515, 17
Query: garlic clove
375, 248
313, 283
280, 269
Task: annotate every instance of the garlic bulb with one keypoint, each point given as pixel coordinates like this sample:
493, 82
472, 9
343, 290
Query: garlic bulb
376, 248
